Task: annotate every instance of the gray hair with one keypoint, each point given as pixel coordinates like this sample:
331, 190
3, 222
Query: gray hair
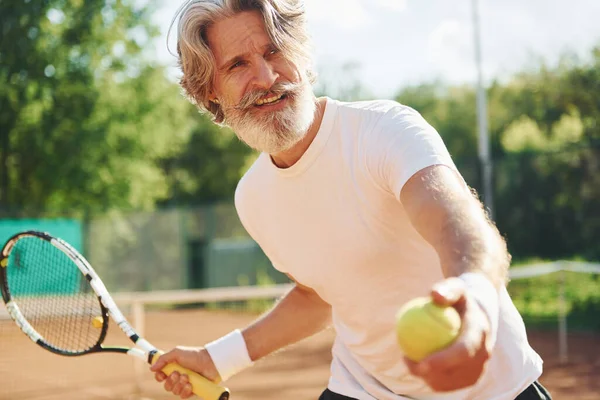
284, 22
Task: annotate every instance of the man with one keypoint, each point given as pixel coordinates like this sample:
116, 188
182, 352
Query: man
362, 206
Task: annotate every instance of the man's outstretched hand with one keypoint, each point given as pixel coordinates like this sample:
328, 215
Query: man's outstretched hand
461, 364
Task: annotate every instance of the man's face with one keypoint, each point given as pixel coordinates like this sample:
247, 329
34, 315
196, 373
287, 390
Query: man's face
265, 99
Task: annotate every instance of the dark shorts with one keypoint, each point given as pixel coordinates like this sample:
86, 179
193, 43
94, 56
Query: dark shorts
535, 391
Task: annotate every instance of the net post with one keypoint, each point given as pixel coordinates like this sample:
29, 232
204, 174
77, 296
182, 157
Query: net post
137, 309
562, 319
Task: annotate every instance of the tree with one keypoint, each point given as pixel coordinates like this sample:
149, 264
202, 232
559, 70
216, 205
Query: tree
208, 167
522, 135
83, 115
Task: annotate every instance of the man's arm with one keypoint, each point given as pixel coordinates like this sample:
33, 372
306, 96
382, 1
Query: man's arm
453, 221
299, 314
475, 261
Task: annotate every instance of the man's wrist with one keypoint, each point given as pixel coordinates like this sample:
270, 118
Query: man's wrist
229, 354
486, 295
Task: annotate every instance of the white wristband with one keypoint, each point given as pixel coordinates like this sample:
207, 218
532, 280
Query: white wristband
229, 354
486, 295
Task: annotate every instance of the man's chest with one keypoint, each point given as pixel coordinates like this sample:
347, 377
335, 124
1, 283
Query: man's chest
334, 231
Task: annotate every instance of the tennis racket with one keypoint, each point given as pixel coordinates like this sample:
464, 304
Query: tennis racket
59, 302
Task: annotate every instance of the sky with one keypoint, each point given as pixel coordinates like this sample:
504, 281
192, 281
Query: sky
398, 43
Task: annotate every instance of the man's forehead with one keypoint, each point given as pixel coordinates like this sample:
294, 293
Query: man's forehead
237, 35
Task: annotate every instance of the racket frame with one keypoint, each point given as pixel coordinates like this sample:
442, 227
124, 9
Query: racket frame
144, 351
15, 312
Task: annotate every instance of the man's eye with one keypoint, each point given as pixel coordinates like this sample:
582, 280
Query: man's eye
273, 51
236, 65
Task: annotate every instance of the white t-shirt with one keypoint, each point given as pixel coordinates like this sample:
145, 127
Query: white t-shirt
334, 221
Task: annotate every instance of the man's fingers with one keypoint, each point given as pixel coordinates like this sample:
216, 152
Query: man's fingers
470, 344
180, 385
412, 366
163, 360
186, 393
171, 381
158, 365
160, 376
438, 362
450, 357
454, 379
443, 363
448, 292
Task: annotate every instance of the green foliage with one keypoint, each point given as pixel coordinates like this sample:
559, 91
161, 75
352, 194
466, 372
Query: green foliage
88, 124
73, 119
208, 167
567, 131
584, 313
537, 299
524, 134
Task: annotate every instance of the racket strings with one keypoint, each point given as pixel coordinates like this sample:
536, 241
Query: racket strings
53, 295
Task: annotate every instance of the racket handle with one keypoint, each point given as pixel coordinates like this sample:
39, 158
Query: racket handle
201, 386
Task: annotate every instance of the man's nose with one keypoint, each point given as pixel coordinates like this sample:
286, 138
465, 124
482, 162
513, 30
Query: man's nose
265, 75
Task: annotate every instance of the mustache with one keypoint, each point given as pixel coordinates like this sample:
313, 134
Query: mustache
278, 89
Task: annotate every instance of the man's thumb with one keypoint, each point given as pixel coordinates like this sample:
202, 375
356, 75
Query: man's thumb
448, 292
163, 360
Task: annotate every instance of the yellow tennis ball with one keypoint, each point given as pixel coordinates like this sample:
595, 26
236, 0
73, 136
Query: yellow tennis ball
423, 327
97, 322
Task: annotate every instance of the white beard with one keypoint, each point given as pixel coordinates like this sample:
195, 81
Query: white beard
278, 131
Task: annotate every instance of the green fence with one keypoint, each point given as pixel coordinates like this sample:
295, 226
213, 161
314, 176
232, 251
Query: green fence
54, 282
176, 249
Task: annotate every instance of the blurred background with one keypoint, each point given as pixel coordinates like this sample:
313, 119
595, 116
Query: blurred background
99, 146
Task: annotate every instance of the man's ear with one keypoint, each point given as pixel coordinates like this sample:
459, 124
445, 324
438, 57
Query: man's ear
212, 97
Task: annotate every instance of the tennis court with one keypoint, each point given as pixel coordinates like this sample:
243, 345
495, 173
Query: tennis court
298, 373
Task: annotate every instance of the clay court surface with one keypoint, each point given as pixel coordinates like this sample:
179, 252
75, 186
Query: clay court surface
298, 373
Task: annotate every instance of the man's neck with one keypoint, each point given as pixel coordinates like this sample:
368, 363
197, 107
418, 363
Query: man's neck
289, 157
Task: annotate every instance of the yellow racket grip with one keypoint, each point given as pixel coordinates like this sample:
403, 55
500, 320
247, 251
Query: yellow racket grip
201, 386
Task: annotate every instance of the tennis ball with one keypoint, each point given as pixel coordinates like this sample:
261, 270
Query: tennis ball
423, 327
97, 322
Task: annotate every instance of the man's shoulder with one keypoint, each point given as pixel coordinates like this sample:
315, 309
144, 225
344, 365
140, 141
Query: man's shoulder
369, 117
382, 110
379, 106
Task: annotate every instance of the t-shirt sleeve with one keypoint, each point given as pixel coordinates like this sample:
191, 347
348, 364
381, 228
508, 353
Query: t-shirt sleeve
401, 144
